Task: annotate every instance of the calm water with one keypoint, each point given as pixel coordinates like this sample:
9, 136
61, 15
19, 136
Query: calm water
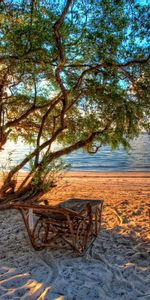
105, 160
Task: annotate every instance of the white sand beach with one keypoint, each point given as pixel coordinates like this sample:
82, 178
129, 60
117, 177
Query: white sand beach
117, 266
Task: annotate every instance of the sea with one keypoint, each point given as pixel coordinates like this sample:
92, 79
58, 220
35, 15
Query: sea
105, 160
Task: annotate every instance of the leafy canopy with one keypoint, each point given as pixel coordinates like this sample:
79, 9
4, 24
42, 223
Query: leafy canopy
75, 72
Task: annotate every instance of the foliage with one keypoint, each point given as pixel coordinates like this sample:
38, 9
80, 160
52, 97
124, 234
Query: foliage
73, 72
48, 176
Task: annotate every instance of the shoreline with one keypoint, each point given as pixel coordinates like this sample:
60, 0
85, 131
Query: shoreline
96, 173
108, 174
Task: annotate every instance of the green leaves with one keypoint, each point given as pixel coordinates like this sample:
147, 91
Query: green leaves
90, 76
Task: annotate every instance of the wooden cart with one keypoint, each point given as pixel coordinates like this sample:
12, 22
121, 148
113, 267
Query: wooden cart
75, 221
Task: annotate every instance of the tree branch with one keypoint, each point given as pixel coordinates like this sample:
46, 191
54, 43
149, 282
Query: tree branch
61, 54
32, 109
76, 146
135, 61
79, 81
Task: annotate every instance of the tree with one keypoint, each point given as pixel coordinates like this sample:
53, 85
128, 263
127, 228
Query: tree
75, 72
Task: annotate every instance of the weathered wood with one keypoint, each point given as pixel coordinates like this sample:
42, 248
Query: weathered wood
75, 221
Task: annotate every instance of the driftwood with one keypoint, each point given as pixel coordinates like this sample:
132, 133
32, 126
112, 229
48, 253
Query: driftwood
75, 221
119, 217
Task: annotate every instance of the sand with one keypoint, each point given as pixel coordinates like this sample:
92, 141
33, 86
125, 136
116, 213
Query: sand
117, 266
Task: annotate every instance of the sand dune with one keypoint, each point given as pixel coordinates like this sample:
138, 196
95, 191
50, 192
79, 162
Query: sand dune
117, 266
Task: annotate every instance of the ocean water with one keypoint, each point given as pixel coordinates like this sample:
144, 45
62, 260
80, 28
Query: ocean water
138, 159
105, 160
